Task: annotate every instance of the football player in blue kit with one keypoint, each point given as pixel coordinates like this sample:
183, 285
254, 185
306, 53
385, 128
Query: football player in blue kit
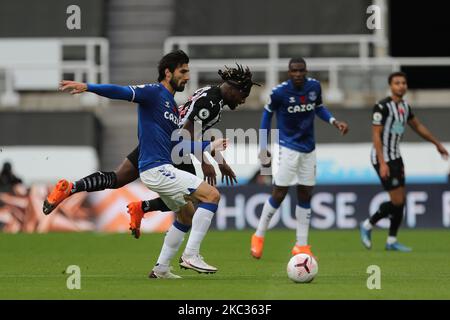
158, 118
296, 103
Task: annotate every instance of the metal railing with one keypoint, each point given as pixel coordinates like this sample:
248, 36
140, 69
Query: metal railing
94, 67
273, 64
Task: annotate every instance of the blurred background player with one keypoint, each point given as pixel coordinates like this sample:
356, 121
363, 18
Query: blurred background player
389, 120
205, 108
7, 178
296, 103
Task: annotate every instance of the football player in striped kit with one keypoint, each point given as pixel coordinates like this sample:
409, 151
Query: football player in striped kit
389, 120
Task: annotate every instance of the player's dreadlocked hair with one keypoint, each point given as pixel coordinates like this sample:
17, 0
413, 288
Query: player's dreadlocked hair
238, 77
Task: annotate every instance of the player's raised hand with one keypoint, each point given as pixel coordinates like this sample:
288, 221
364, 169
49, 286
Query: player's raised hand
219, 144
72, 87
341, 126
441, 149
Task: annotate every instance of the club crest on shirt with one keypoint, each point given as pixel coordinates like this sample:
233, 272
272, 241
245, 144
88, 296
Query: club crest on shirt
312, 95
398, 127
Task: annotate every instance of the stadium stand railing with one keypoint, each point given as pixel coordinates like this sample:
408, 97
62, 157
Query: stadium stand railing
347, 63
38, 64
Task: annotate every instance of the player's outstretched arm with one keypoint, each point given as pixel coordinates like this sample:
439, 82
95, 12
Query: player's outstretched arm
422, 131
111, 91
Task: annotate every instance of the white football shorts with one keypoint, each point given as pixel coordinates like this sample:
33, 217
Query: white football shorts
292, 167
171, 184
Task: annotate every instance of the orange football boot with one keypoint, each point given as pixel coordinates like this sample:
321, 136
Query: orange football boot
60, 192
257, 246
302, 249
136, 215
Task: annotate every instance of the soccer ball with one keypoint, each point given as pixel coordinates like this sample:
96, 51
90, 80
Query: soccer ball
302, 268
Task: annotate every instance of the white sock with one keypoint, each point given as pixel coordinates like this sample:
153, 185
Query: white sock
172, 242
391, 240
268, 211
367, 225
200, 225
303, 216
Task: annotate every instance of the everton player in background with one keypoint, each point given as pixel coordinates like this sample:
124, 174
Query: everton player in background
296, 103
389, 120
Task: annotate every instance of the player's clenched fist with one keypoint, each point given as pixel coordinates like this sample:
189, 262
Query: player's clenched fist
341, 126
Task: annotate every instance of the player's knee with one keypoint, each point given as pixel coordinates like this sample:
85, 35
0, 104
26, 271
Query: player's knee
214, 196
278, 196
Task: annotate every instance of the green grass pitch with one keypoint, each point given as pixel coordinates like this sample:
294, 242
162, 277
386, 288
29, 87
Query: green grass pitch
115, 266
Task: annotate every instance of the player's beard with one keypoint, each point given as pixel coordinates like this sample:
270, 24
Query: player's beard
176, 86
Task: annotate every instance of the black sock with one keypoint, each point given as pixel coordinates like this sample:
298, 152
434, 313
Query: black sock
396, 220
154, 205
96, 182
385, 209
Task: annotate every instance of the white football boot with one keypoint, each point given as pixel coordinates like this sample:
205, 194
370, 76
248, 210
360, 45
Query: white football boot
196, 262
160, 273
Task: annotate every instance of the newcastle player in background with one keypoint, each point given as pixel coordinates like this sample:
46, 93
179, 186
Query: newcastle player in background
389, 120
296, 103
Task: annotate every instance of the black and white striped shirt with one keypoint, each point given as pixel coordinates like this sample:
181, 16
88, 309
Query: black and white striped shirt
205, 107
393, 117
